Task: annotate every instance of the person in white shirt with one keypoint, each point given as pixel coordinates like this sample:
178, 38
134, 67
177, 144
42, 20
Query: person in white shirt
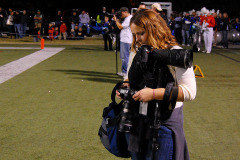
125, 38
148, 29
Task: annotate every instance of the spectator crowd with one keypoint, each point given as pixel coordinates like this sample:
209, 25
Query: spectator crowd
185, 26
210, 25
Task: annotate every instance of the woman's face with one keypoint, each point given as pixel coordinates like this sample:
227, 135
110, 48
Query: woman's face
140, 34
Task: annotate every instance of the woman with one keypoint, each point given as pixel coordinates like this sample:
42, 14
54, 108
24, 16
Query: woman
10, 24
149, 28
225, 29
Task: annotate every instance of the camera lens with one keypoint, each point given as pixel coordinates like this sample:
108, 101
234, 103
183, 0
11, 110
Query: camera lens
125, 124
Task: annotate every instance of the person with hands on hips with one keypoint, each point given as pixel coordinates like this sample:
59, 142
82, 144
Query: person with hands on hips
158, 79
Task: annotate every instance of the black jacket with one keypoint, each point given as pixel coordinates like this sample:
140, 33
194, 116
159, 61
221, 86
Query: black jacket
74, 19
17, 19
225, 24
24, 19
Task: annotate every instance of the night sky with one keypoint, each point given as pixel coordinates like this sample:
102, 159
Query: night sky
94, 7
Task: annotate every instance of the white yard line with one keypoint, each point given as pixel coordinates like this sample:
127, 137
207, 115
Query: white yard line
20, 48
16, 67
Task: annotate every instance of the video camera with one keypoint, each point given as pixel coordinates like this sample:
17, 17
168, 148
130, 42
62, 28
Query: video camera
118, 14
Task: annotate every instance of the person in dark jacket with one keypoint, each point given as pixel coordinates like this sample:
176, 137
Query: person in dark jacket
17, 24
24, 21
178, 28
186, 24
3, 15
225, 29
58, 19
107, 29
74, 20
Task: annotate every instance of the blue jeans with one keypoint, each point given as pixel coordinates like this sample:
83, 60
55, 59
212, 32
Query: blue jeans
18, 30
185, 35
124, 55
24, 29
165, 151
87, 25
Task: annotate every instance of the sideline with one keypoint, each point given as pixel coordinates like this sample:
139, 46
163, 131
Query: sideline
18, 66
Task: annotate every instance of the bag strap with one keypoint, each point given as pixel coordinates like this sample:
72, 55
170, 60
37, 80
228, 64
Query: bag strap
113, 95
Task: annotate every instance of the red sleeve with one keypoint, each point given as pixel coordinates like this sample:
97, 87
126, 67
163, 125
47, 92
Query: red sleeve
211, 22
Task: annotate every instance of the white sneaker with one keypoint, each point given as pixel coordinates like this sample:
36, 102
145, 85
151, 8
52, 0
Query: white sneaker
204, 51
122, 74
208, 52
188, 45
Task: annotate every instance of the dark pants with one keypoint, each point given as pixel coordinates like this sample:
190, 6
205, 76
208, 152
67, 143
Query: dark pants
225, 38
11, 30
165, 143
107, 39
178, 35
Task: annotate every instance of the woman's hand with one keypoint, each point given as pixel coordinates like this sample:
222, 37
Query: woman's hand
124, 85
144, 95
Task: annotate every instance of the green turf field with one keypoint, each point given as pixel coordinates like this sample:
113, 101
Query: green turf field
53, 110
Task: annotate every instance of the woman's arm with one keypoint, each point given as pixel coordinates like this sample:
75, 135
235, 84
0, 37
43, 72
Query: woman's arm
186, 88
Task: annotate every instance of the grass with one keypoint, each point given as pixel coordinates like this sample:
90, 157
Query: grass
53, 110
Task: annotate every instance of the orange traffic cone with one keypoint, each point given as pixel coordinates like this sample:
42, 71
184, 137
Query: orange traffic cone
42, 43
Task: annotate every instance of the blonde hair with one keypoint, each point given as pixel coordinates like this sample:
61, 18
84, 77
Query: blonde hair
159, 34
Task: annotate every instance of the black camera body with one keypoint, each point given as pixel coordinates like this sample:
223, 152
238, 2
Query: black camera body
118, 14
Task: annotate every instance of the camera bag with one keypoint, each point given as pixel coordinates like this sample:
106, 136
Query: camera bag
113, 140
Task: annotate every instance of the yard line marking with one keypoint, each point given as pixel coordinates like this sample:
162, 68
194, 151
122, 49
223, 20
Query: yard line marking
16, 67
20, 48
228, 57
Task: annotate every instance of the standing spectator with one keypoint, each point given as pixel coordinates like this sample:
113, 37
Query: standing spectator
113, 11
24, 21
107, 28
58, 19
178, 28
193, 19
51, 31
63, 31
10, 10
141, 6
38, 19
2, 17
10, 23
17, 25
103, 14
125, 38
219, 22
215, 29
73, 20
208, 22
156, 7
171, 23
225, 29
84, 20
186, 24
